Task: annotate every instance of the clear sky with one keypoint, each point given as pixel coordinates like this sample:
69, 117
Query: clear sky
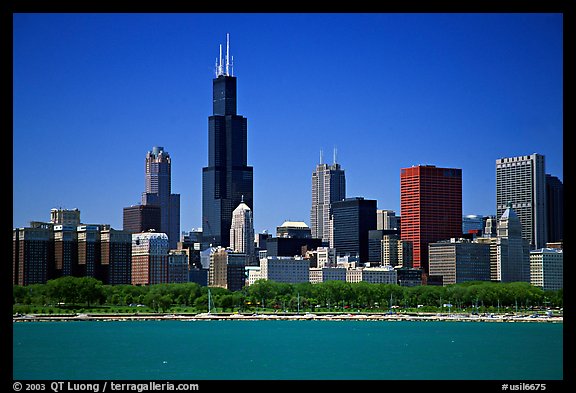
94, 92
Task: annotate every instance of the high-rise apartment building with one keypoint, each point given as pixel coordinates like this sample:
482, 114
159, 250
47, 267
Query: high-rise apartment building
33, 255
89, 251
328, 186
227, 179
116, 256
352, 220
158, 193
430, 207
65, 250
555, 208
522, 181
149, 258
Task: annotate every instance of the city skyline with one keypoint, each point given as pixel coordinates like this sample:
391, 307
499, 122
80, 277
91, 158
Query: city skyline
474, 88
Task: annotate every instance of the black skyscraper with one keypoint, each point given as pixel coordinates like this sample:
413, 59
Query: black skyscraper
227, 178
352, 220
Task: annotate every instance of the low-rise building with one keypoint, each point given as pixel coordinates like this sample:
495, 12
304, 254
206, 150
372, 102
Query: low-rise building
546, 268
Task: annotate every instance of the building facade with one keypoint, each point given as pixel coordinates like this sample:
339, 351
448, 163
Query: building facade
379, 275
328, 186
323, 274
227, 180
512, 248
294, 229
387, 219
547, 268
65, 217
431, 208
352, 219
32, 255
459, 260
65, 250
242, 230
116, 256
555, 209
149, 258
141, 218
285, 269
177, 266
522, 182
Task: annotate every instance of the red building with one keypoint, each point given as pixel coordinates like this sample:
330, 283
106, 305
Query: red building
430, 207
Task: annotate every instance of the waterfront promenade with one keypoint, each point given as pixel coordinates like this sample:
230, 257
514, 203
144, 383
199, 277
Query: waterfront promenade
519, 317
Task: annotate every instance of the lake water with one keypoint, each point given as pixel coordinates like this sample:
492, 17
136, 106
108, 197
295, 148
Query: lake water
271, 350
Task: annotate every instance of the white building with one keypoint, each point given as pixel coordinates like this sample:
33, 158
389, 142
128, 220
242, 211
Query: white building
325, 257
285, 269
242, 230
354, 274
253, 274
328, 185
546, 268
149, 258
513, 250
380, 275
319, 274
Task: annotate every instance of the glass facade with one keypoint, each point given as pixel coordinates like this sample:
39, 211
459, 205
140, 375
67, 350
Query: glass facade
352, 219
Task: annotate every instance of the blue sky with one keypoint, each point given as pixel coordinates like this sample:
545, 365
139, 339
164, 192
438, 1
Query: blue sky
94, 92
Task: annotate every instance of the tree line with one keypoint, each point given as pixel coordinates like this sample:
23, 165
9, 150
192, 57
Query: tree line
264, 295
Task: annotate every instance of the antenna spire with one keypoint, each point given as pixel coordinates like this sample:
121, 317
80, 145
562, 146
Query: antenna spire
227, 54
225, 67
335, 154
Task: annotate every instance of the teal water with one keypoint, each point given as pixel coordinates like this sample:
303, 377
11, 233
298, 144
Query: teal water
266, 350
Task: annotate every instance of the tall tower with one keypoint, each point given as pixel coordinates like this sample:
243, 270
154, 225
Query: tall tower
513, 254
227, 178
242, 230
328, 186
430, 207
522, 181
158, 193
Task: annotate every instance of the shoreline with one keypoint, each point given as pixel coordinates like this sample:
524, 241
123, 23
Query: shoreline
290, 317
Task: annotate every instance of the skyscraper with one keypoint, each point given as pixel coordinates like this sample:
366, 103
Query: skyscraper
513, 251
242, 230
158, 192
555, 208
522, 181
430, 207
328, 186
227, 178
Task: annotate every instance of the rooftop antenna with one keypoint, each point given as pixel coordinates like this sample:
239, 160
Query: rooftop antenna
227, 54
219, 64
321, 156
335, 153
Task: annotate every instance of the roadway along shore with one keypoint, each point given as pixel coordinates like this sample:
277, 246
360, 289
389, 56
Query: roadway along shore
293, 316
